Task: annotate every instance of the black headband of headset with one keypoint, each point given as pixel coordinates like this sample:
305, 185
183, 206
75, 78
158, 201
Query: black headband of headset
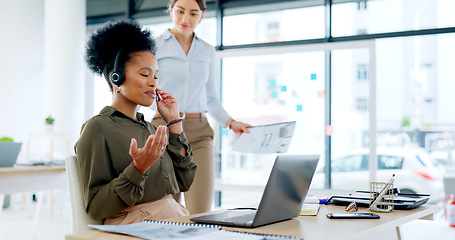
117, 57
117, 77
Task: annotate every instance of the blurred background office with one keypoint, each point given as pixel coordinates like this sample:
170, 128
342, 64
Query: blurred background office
369, 82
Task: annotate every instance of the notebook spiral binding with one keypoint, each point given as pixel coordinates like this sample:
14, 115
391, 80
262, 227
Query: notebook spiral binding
267, 235
184, 224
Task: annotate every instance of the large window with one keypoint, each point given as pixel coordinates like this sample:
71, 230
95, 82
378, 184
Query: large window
350, 114
380, 16
411, 75
263, 89
414, 100
415, 83
275, 26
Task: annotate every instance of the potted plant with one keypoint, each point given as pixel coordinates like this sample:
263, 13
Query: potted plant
49, 123
50, 120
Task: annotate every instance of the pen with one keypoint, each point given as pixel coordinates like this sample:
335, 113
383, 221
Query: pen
381, 193
158, 97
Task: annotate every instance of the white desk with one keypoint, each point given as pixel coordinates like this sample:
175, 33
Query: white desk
32, 178
308, 227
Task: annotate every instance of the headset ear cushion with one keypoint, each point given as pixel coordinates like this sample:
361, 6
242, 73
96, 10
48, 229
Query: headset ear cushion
117, 77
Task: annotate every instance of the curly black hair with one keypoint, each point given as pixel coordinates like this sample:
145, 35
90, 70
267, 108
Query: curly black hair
103, 45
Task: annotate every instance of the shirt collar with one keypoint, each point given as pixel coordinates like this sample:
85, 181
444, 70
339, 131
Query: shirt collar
167, 34
111, 111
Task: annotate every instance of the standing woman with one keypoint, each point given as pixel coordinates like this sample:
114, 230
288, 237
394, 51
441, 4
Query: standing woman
128, 168
186, 65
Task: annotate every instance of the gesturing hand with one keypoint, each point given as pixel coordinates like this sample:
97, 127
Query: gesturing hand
153, 149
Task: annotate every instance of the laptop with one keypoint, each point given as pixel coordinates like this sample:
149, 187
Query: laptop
282, 199
8, 153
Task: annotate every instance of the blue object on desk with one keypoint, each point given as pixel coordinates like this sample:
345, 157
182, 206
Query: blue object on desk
323, 200
8, 153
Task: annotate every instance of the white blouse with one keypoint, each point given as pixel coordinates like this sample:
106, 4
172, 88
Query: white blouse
189, 78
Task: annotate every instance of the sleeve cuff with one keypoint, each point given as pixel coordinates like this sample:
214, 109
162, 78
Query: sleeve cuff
176, 143
176, 139
134, 176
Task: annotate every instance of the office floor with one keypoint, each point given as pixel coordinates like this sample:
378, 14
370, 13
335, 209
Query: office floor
18, 224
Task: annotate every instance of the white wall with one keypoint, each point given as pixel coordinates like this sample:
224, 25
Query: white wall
26, 88
22, 67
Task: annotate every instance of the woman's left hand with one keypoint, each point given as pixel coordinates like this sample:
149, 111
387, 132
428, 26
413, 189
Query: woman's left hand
150, 153
167, 107
240, 127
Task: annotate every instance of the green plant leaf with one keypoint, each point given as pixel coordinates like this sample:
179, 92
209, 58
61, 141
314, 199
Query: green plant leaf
6, 139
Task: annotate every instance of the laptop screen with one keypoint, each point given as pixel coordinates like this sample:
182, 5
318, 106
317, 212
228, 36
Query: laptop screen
286, 188
282, 198
8, 153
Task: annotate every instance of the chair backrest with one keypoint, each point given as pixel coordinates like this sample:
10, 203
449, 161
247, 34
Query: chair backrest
79, 218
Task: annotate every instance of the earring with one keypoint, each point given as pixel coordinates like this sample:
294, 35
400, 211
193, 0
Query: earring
118, 90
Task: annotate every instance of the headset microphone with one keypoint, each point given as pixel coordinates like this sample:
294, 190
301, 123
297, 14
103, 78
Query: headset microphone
117, 77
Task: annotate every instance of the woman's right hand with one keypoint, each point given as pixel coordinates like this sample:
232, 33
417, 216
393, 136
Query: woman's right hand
167, 107
153, 149
239, 127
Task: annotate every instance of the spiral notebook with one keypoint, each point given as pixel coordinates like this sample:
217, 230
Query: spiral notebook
171, 230
268, 138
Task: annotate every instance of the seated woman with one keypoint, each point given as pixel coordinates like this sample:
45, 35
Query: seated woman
128, 168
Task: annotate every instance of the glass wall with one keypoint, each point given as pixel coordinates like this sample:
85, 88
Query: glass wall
350, 118
415, 92
414, 127
415, 82
382, 16
265, 89
274, 26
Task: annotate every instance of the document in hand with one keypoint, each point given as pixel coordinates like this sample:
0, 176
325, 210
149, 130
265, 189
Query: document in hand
269, 138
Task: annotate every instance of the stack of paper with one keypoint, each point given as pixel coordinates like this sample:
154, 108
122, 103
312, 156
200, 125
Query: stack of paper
309, 210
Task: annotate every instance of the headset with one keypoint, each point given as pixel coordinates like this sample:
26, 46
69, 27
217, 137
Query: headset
117, 77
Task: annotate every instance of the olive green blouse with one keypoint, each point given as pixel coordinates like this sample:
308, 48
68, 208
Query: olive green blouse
110, 182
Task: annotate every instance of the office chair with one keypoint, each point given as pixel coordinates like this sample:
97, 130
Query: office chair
79, 218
